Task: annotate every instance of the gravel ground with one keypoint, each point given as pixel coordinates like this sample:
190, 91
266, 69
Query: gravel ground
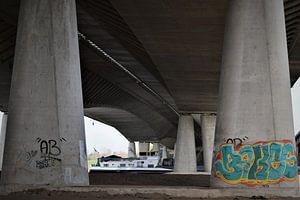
41, 194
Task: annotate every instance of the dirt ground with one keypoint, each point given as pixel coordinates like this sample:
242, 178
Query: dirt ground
60, 195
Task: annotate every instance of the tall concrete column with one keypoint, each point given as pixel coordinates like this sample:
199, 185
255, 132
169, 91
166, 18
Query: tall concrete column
2, 137
131, 150
208, 124
254, 133
164, 153
174, 151
185, 155
45, 140
156, 148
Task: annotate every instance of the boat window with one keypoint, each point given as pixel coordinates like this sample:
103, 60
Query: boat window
122, 165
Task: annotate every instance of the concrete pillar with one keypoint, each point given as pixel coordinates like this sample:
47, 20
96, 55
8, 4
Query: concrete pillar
164, 153
185, 155
254, 132
131, 150
2, 137
156, 148
45, 140
143, 148
174, 151
208, 123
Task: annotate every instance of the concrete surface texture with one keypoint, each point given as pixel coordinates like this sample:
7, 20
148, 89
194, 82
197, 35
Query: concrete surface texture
136, 192
168, 56
143, 147
45, 141
2, 138
254, 129
156, 147
208, 124
185, 45
185, 155
153, 120
5, 77
149, 179
131, 150
164, 153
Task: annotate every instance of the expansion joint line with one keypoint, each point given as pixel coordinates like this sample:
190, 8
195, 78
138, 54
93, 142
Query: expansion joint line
137, 79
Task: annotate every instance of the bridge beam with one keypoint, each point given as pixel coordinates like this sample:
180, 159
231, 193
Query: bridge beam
254, 132
185, 152
45, 141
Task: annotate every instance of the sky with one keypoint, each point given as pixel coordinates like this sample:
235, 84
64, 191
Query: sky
296, 105
103, 137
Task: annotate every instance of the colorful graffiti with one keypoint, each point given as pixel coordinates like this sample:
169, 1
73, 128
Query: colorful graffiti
262, 163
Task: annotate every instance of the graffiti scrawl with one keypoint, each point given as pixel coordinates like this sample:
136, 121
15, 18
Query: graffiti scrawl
49, 153
263, 163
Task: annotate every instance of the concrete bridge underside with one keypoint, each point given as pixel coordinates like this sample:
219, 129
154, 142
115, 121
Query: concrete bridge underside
173, 46
149, 68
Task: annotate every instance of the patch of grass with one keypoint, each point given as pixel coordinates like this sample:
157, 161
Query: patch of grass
92, 162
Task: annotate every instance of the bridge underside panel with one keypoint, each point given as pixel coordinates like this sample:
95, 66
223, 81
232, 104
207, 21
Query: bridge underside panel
174, 46
123, 121
130, 125
184, 40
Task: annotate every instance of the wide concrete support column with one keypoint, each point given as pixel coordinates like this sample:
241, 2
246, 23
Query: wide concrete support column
2, 137
185, 155
254, 133
131, 150
45, 140
208, 124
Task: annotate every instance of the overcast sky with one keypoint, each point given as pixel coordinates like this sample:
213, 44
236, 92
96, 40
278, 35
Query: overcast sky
296, 105
104, 137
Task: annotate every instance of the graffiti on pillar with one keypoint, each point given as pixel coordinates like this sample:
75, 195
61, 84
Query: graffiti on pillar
29, 155
262, 163
49, 152
236, 141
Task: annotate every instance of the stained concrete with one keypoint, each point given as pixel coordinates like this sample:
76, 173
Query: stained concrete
149, 179
208, 124
172, 45
45, 140
184, 40
185, 152
255, 97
